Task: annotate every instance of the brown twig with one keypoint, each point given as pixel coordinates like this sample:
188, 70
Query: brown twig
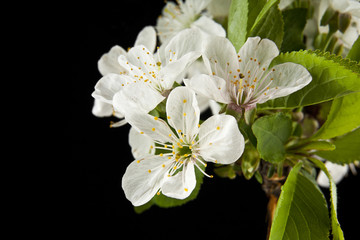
272, 187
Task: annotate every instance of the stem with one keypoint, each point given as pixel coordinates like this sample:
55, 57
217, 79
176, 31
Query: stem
271, 207
272, 187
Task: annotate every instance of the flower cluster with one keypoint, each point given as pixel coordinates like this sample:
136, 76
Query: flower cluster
160, 87
136, 81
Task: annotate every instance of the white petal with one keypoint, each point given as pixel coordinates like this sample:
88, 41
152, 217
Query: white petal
181, 51
174, 70
133, 96
220, 57
194, 6
108, 85
219, 8
141, 144
215, 107
102, 109
220, 140
154, 127
147, 37
196, 68
209, 26
108, 62
255, 51
139, 60
212, 87
188, 40
287, 78
168, 25
337, 172
183, 111
139, 184
203, 102
182, 184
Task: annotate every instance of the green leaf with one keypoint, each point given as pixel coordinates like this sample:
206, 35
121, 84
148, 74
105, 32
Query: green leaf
166, 202
294, 23
335, 225
271, 133
317, 145
347, 149
342, 118
237, 24
301, 212
345, 62
354, 53
242, 15
225, 171
332, 77
250, 161
269, 23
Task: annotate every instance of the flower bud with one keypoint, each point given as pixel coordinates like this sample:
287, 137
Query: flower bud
344, 21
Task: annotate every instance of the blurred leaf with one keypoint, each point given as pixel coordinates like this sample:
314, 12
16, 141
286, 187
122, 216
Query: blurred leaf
343, 117
225, 171
269, 23
354, 53
294, 23
347, 149
250, 161
317, 145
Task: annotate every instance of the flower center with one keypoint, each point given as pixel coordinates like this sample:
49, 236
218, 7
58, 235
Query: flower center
183, 151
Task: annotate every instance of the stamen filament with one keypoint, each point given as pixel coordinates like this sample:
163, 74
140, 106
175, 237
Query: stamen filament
202, 171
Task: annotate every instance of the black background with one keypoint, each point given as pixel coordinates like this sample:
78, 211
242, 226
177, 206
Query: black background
97, 205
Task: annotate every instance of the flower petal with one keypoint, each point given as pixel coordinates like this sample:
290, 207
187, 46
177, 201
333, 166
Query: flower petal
220, 57
257, 53
175, 70
141, 145
188, 40
108, 85
209, 26
132, 96
220, 140
183, 112
143, 179
139, 60
147, 37
337, 172
102, 109
108, 62
182, 184
181, 51
287, 78
154, 127
212, 87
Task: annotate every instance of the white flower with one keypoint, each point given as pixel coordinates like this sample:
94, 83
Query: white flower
185, 144
219, 8
147, 78
187, 14
352, 9
337, 172
108, 63
141, 145
313, 27
244, 79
